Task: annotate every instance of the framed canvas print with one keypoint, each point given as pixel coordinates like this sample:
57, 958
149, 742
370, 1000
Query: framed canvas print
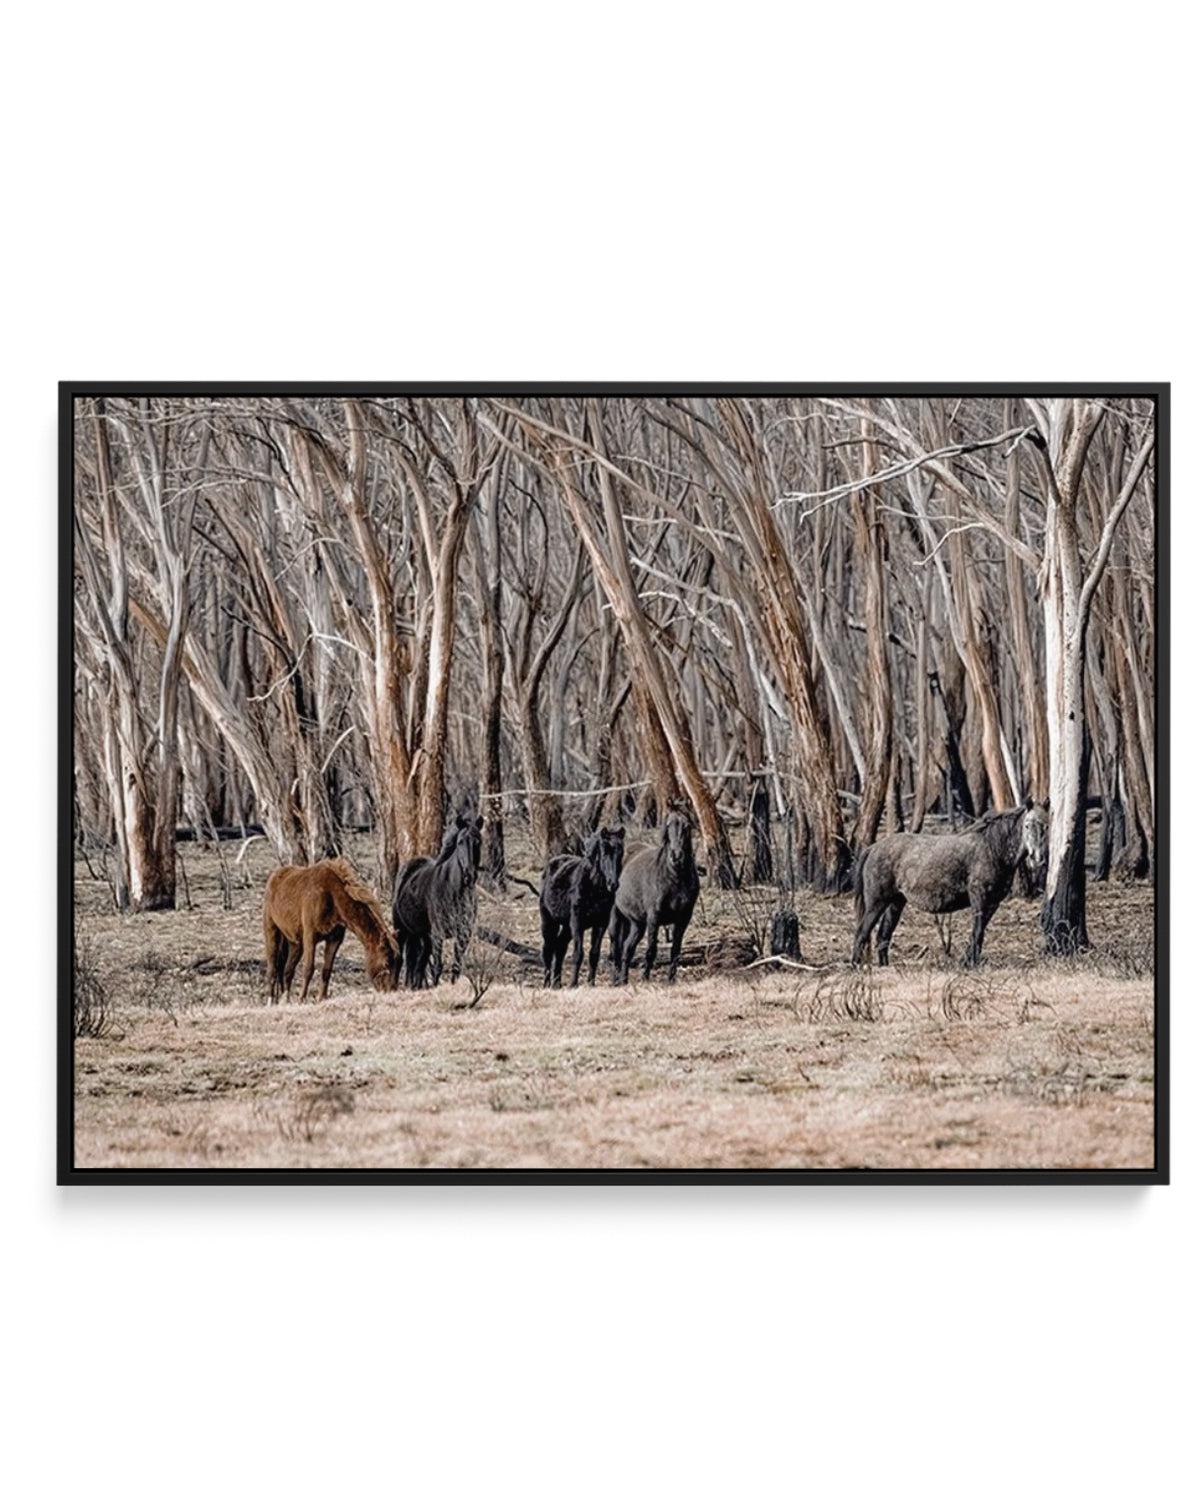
640, 783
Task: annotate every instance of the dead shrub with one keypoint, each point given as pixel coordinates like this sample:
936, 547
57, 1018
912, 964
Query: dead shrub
92, 1004
314, 1110
155, 990
964, 996
1127, 961
1029, 1001
1063, 1075
483, 963
854, 996
532, 1094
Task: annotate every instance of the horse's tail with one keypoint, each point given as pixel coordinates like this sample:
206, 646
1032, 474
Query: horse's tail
857, 881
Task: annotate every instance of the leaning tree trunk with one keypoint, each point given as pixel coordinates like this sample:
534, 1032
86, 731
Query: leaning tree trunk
1104, 717
1033, 713
431, 773
384, 660
146, 853
610, 560
487, 592
548, 833
877, 722
762, 865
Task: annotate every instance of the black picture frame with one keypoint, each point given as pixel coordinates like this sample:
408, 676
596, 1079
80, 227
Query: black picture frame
67, 1172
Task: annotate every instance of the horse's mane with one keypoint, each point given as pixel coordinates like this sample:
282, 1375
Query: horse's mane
675, 813
358, 892
449, 841
997, 828
993, 817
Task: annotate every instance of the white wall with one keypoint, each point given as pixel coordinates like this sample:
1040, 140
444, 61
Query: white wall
615, 192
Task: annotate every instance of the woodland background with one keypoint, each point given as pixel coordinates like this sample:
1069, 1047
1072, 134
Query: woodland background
813, 617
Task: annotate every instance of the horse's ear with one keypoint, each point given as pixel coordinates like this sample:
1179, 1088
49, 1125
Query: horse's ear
1029, 800
478, 825
618, 833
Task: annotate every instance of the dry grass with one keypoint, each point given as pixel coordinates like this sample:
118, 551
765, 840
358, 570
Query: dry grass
919, 1064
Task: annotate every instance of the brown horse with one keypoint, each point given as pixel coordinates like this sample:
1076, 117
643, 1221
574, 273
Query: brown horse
306, 904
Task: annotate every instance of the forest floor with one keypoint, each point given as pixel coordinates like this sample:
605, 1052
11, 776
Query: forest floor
1022, 1063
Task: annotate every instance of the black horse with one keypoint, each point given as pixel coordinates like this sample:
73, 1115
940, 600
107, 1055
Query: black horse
435, 900
658, 886
577, 894
944, 873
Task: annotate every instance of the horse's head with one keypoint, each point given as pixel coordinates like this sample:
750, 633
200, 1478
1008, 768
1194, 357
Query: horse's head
450, 839
677, 834
384, 962
1035, 826
608, 854
470, 843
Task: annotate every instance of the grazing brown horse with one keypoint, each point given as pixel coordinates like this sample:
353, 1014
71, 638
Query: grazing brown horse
306, 904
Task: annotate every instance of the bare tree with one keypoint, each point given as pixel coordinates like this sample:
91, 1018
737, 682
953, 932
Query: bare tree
838, 615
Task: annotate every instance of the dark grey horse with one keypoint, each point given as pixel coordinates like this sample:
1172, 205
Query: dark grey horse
658, 887
577, 894
435, 900
944, 873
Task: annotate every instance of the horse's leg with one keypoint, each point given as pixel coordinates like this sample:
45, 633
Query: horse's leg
549, 946
677, 933
289, 967
648, 928
559, 954
617, 931
462, 933
984, 907
283, 954
576, 934
308, 959
466, 933
872, 913
594, 955
272, 947
402, 955
423, 953
633, 938
412, 962
332, 946
887, 928
467, 915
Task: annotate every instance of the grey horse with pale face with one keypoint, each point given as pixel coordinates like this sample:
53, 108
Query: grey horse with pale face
942, 874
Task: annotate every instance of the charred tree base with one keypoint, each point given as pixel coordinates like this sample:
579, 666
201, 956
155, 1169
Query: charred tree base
492, 861
785, 934
1064, 913
1112, 838
721, 865
1133, 863
811, 871
762, 863
159, 903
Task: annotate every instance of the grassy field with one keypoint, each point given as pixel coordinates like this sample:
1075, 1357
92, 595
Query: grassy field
1020, 1064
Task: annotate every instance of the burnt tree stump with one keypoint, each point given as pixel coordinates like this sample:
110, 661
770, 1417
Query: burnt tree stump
785, 934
